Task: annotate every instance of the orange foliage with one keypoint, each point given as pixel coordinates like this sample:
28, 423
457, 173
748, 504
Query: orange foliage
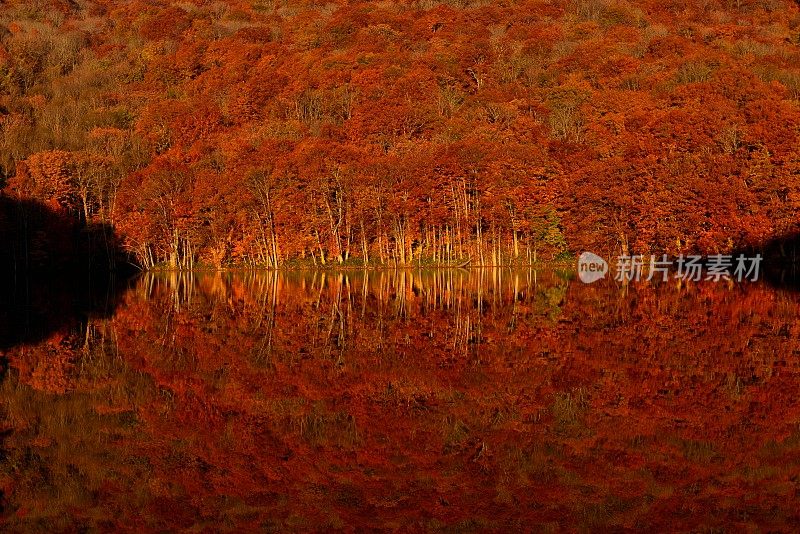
401, 133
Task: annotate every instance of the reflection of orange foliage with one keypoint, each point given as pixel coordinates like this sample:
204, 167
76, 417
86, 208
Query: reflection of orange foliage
49, 370
374, 400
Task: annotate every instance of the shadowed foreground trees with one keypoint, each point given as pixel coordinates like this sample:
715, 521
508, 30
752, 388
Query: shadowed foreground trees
37, 238
54, 270
781, 260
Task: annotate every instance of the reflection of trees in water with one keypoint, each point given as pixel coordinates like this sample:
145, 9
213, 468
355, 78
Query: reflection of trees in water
38, 308
366, 398
342, 301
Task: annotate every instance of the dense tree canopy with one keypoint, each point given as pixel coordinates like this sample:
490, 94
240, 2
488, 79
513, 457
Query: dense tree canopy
267, 131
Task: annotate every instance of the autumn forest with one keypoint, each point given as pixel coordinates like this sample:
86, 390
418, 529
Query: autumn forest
317, 266
277, 133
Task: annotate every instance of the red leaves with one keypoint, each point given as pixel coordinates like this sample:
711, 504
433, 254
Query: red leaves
48, 176
165, 23
653, 126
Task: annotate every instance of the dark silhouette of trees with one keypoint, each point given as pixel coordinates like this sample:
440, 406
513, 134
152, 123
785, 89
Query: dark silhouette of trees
53, 270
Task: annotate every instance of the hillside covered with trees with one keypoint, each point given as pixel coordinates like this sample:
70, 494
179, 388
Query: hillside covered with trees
268, 132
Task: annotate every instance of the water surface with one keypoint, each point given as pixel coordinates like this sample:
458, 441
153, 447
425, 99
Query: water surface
463, 399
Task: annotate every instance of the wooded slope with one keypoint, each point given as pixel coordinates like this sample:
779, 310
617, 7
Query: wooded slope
261, 132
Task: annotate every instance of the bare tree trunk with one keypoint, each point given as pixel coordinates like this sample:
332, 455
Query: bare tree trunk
364, 249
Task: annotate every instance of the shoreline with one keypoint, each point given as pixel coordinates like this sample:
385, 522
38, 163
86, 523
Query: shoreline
360, 268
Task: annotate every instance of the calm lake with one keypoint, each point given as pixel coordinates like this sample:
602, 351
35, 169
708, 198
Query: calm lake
464, 400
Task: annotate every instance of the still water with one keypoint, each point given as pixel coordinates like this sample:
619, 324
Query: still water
465, 400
